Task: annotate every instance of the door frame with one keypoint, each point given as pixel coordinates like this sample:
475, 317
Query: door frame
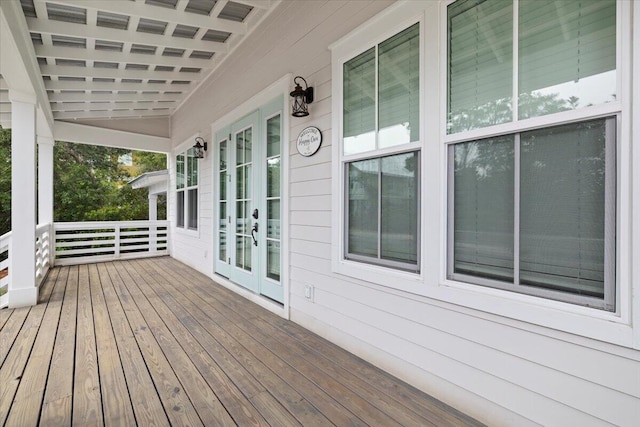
280, 88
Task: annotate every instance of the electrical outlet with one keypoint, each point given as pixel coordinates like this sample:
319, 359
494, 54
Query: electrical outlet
308, 292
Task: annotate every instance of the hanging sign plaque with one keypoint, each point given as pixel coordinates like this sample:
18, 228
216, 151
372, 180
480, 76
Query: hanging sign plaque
309, 141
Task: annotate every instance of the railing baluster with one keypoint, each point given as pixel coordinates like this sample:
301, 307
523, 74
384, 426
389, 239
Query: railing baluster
87, 242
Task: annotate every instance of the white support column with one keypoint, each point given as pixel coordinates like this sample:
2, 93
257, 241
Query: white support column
153, 216
22, 289
45, 180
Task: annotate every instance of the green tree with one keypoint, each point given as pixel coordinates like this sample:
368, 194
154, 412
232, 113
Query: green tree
91, 185
5, 180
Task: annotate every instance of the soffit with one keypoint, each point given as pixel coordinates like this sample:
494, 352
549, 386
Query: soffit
132, 58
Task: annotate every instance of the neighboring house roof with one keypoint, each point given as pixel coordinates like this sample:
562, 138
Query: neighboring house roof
155, 181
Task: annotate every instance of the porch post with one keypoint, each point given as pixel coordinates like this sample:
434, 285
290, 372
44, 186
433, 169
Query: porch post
45, 180
22, 289
153, 216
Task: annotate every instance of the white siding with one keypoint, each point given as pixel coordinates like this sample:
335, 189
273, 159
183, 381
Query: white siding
501, 371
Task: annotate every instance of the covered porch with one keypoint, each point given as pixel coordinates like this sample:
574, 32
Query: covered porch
154, 342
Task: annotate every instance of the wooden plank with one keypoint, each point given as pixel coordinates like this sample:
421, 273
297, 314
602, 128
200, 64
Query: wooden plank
231, 383
273, 411
198, 392
306, 413
396, 398
56, 406
322, 400
380, 381
147, 407
177, 406
87, 399
5, 314
11, 329
28, 399
16, 360
116, 403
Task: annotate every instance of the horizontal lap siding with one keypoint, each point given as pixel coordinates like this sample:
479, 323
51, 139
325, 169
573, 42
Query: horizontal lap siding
500, 372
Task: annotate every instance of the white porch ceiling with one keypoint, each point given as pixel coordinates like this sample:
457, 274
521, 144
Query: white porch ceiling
131, 58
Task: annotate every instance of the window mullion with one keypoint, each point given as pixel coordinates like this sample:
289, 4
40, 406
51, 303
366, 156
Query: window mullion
610, 215
379, 208
376, 101
516, 210
516, 60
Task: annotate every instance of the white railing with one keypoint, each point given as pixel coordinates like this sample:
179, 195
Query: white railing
85, 242
5, 278
43, 252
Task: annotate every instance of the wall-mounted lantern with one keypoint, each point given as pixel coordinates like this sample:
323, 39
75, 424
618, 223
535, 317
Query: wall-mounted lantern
301, 98
199, 149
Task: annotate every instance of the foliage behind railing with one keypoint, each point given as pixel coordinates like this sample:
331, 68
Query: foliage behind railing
85, 242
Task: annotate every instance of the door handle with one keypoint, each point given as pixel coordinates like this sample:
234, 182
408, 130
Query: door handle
254, 229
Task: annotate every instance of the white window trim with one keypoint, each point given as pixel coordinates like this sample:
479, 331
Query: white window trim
182, 149
396, 19
614, 328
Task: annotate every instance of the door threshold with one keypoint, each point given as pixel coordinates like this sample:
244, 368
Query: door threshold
263, 301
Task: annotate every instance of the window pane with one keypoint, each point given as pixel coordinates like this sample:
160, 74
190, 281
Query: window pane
247, 145
273, 136
223, 155
180, 208
222, 245
399, 88
399, 208
273, 260
273, 177
567, 55
242, 219
273, 219
480, 64
239, 148
562, 208
363, 207
223, 217
223, 186
192, 169
359, 103
240, 185
483, 180
193, 209
180, 171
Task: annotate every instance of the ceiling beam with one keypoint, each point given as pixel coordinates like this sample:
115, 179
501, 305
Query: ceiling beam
75, 132
102, 97
73, 115
142, 10
72, 71
18, 64
83, 31
105, 105
64, 85
258, 4
130, 58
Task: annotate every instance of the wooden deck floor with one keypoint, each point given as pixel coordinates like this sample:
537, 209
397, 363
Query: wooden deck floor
153, 342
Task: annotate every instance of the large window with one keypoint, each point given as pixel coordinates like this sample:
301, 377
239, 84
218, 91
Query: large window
381, 142
187, 190
532, 207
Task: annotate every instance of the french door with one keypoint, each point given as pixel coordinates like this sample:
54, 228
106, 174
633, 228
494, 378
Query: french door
248, 201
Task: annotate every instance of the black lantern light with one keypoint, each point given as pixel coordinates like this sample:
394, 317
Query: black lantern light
199, 149
301, 97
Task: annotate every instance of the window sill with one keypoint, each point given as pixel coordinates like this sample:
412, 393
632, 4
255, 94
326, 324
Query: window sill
187, 231
383, 276
587, 322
